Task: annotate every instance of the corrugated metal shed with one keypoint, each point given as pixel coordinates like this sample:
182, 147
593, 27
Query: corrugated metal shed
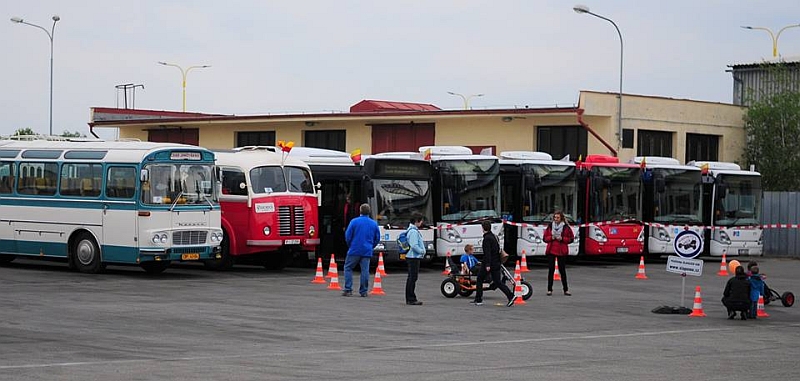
755, 81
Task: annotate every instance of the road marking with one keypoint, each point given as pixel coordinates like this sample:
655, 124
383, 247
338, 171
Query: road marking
399, 347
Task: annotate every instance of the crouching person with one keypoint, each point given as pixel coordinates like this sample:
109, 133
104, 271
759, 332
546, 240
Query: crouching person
736, 296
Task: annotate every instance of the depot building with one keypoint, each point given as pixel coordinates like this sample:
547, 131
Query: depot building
650, 126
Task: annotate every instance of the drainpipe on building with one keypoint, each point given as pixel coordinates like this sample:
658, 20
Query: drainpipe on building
595, 134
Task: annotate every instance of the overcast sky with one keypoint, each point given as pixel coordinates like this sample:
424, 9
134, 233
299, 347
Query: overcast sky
323, 55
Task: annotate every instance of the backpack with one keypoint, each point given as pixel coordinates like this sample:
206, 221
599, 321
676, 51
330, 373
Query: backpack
402, 242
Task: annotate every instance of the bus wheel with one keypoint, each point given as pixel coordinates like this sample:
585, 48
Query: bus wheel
278, 261
5, 259
224, 263
86, 255
154, 267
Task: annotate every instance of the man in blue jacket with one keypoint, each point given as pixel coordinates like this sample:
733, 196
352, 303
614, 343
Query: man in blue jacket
362, 236
414, 257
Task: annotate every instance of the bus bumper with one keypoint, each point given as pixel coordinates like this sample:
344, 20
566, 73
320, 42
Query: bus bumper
179, 254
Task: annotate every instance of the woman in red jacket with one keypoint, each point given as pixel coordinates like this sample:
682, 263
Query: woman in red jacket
558, 236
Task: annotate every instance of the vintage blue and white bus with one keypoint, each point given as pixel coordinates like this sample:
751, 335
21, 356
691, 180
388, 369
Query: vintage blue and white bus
94, 203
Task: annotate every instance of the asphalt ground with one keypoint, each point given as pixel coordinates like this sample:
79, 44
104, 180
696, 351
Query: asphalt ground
253, 324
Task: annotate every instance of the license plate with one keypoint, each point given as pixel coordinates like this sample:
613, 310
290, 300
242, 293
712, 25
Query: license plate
622, 250
190, 257
744, 251
402, 257
292, 242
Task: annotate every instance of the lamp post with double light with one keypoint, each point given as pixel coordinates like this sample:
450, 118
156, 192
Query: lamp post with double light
581, 9
184, 73
50, 35
775, 36
465, 98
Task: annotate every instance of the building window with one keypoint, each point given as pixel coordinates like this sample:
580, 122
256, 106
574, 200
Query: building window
255, 138
654, 143
560, 141
189, 136
627, 138
328, 139
702, 147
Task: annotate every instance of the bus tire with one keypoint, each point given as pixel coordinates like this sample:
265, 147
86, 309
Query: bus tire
86, 254
6, 259
224, 263
154, 267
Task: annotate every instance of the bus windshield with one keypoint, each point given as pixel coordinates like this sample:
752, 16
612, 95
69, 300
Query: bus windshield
271, 179
740, 203
470, 189
615, 194
397, 200
547, 188
186, 183
679, 200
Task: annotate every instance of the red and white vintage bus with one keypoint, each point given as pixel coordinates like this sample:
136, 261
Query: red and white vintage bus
269, 208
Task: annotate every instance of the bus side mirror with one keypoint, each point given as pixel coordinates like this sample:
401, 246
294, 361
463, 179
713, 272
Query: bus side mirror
723, 190
144, 175
531, 181
660, 184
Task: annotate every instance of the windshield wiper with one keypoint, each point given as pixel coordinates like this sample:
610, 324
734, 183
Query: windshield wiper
178, 197
210, 204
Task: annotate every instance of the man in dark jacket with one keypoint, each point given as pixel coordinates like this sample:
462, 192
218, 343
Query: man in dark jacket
362, 236
492, 263
736, 296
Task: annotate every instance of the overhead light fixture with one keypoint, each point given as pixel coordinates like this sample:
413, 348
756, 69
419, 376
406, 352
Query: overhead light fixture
507, 119
311, 124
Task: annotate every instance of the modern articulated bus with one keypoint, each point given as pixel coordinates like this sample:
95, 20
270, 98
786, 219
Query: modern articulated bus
466, 188
534, 186
671, 202
608, 209
269, 208
94, 203
731, 209
397, 185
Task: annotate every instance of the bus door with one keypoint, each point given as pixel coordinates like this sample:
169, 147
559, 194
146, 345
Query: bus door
120, 215
8, 243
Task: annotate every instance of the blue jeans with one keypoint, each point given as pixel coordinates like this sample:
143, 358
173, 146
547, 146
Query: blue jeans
350, 263
411, 280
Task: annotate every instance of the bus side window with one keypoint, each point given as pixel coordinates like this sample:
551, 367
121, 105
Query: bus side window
120, 182
6, 177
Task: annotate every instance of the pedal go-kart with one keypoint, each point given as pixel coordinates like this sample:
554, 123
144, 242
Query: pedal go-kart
770, 295
465, 283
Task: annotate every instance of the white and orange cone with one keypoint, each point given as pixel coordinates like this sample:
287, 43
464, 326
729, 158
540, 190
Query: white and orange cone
318, 278
446, 270
557, 274
760, 310
641, 274
377, 287
518, 285
381, 269
330, 266
697, 308
723, 267
334, 274
524, 264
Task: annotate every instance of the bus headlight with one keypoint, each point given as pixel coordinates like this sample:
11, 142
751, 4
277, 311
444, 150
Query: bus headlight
267, 230
216, 237
597, 234
640, 238
724, 238
760, 238
452, 235
160, 238
662, 234
533, 235
312, 230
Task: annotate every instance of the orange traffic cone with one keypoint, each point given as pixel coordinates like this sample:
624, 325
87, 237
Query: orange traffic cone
377, 288
723, 267
381, 269
697, 308
524, 265
334, 274
318, 278
518, 285
557, 274
641, 274
760, 311
446, 270
330, 266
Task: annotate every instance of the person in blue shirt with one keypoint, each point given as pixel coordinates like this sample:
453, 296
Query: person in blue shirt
414, 257
468, 261
756, 290
362, 235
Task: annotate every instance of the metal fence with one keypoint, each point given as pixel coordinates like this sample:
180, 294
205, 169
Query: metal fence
781, 208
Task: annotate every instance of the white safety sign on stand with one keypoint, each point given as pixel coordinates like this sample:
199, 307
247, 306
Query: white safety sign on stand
684, 266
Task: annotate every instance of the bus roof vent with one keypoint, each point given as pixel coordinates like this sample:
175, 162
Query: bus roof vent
446, 150
718, 165
525, 155
256, 148
657, 160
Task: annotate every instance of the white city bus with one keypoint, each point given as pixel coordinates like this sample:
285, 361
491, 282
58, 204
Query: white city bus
95, 203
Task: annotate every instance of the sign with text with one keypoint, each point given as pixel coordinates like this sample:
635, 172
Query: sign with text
686, 266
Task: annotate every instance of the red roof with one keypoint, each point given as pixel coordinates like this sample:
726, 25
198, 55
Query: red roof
368, 105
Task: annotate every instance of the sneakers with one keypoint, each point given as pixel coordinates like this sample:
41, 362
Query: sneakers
364, 295
731, 315
567, 293
511, 301
347, 293
414, 303
475, 302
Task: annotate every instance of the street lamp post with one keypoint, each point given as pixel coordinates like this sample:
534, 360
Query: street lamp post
184, 73
465, 98
50, 35
584, 9
775, 37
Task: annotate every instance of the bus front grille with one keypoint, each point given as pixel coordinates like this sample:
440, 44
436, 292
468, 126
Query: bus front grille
291, 220
192, 237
